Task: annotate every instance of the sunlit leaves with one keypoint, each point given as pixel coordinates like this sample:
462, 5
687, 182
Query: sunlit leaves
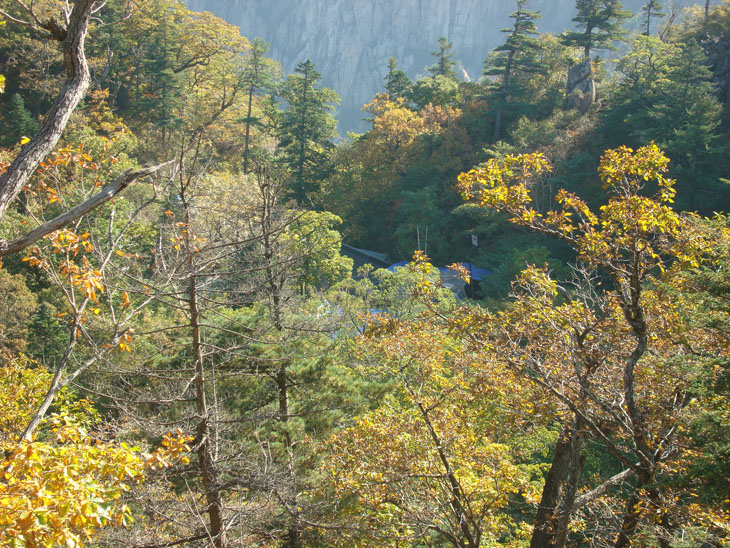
62, 487
610, 347
455, 422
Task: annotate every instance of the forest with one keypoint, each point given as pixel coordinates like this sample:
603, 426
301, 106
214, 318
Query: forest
498, 317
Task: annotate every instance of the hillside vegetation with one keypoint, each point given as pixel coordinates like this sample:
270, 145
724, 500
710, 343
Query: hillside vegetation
193, 354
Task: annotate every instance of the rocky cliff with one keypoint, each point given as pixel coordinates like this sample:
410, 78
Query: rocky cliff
350, 41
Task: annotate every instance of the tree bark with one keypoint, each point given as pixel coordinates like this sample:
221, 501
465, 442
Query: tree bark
558, 495
73, 90
248, 130
206, 461
281, 379
109, 192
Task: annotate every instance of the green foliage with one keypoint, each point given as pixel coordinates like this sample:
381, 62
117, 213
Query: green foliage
18, 122
652, 9
445, 64
315, 425
667, 97
600, 22
259, 78
312, 238
435, 90
47, 337
397, 83
17, 305
307, 126
520, 54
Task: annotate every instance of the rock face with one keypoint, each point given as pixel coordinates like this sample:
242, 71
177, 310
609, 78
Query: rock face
580, 93
350, 41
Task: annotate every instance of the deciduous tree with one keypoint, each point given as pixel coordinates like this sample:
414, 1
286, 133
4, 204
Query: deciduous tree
605, 354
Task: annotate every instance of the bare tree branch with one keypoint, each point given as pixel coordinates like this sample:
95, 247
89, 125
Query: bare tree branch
109, 192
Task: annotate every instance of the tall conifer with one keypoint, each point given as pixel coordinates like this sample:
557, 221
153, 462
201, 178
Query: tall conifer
307, 125
397, 83
599, 22
517, 54
444, 60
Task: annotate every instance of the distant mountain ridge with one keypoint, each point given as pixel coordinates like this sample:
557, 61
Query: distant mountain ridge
350, 41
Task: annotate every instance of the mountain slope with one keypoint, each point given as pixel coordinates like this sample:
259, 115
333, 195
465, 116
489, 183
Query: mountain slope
350, 41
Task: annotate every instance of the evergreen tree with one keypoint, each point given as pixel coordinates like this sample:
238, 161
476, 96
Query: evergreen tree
518, 53
258, 77
653, 8
600, 23
158, 94
445, 60
435, 90
397, 83
47, 338
307, 125
667, 96
18, 122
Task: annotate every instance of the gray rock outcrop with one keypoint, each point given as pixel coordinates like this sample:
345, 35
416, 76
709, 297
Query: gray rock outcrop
350, 41
580, 93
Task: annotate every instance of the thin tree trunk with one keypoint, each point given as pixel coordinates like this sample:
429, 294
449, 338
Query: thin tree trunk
248, 131
558, 494
503, 96
268, 198
205, 453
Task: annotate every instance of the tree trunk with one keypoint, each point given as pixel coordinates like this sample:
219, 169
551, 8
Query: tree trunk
558, 494
268, 199
206, 461
503, 96
248, 131
73, 90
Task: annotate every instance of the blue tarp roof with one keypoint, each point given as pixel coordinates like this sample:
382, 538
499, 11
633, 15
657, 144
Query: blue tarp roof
477, 272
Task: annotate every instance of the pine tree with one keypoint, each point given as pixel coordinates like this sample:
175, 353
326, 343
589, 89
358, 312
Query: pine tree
653, 8
397, 83
600, 22
259, 77
18, 122
517, 54
307, 125
445, 60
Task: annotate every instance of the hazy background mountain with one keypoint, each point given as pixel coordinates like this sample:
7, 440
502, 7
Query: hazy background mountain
350, 41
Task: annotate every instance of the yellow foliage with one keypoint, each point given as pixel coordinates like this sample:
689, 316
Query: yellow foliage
61, 488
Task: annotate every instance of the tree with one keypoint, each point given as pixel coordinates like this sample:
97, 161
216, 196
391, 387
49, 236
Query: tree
519, 54
653, 8
600, 21
18, 122
444, 60
62, 488
2, 76
233, 350
436, 90
184, 71
667, 96
430, 465
71, 34
307, 125
600, 351
397, 82
17, 304
259, 76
